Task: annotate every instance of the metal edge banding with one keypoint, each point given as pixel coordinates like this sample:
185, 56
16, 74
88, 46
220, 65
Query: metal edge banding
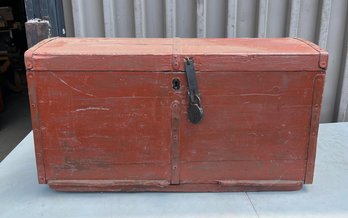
318, 84
34, 110
29, 54
175, 143
323, 55
36, 127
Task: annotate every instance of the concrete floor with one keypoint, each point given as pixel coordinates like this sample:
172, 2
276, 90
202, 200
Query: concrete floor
15, 122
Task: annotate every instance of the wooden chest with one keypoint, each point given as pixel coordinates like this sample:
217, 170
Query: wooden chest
175, 114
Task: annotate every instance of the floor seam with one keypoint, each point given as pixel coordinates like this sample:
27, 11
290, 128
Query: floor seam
252, 205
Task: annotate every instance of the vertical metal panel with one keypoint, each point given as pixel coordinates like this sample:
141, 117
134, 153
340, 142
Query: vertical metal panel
201, 18
263, 19
294, 17
68, 18
321, 21
88, 18
109, 17
342, 97
55, 10
186, 16
322, 39
324, 22
50, 10
216, 19
308, 20
337, 44
155, 28
119, 18
170, 18
247, 19
335, 48
232, 18
139, 17
342, 107
277, 24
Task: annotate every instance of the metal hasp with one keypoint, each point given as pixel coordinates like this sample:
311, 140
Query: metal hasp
195, 110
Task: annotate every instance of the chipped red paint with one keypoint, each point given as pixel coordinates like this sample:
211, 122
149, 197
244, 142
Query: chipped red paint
106, 118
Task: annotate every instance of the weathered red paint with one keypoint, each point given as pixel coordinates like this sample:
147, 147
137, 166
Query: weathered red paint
106, 118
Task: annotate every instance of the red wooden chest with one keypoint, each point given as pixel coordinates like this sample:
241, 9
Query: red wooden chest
175, 114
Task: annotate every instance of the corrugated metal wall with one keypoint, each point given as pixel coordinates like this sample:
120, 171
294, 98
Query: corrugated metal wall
323, 22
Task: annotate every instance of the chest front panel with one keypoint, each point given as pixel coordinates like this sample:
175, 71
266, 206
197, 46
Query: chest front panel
113, 121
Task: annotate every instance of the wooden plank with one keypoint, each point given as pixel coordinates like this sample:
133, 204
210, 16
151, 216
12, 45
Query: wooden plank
147, 55
207, 63
253, 145
162, 186
318, 87
232, 19
127, 85
160, 46
92, 170
205, 172
36, 31
287, 89
34, 110
212, 63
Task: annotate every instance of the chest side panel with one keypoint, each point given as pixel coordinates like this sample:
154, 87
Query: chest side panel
104, 125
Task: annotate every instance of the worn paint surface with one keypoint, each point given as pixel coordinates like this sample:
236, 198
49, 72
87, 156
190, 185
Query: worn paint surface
106, 117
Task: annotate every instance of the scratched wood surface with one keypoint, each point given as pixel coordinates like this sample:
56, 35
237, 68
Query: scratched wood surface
102, 113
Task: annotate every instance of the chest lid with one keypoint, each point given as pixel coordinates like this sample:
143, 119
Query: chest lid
158, 54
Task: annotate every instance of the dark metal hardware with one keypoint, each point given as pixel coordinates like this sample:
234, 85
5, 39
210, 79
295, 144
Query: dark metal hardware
176, 84
195, 110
